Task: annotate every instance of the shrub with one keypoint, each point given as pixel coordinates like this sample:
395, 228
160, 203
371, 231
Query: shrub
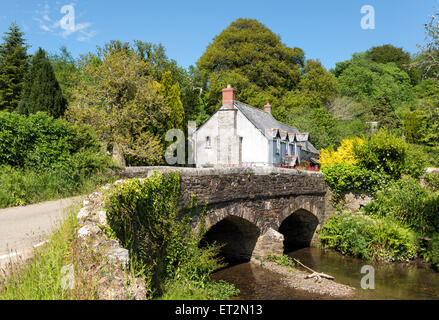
409, 203
368, 238
432, 181
344, 154
343, 177
39, 140
42, 158
143, 216
416, 161
384, 151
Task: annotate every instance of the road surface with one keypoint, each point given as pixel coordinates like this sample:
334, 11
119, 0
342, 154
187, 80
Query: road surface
24, 228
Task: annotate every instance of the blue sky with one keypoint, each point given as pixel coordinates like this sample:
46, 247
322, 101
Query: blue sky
326, 30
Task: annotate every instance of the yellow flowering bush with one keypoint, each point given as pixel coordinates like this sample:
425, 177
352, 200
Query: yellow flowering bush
344, 153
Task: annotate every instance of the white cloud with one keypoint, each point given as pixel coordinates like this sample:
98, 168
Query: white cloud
66, 24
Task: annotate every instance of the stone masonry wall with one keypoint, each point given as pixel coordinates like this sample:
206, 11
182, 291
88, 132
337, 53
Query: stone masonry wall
263, 196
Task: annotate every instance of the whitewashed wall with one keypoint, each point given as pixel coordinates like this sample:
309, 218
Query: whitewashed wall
254, 143
255, 148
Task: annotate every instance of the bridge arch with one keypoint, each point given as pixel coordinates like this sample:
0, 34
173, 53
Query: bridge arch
298, 229
237, 235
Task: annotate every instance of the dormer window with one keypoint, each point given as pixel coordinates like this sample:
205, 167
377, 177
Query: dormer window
208, 143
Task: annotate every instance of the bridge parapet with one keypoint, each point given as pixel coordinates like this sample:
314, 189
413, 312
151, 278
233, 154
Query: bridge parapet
217, 185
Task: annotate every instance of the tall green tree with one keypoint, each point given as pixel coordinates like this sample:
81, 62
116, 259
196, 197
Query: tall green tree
124, 105
66, 71
253, 59
171, 94
13, 65
362, 79
41, 90
388, 53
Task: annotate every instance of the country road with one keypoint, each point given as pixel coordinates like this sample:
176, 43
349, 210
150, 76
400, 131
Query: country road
24, 228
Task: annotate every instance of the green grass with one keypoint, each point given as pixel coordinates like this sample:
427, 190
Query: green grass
25, 186
41, 277
189, 290
282, 260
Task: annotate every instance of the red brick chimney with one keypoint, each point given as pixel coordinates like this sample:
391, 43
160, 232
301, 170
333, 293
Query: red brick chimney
229, 95
267, 108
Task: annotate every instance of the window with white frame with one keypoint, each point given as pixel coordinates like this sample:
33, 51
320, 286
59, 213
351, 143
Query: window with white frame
208, 143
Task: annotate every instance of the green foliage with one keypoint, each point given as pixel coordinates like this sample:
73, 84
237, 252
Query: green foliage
384, 152
42, 158
186, 290
416, 160
261, 68
318, 121
388, 54
144, 217
253, 51
41, 90
368, 238
13, 66
171, 94
39, 140
41, 277
125, 106
363, 78
66, 71
282, 260
432, 181
343, 177
407, 202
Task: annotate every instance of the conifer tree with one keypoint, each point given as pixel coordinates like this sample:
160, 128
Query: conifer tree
41, 90
13, 65
171, 94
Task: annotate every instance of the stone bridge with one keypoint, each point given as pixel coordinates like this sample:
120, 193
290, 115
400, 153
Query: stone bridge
253, 211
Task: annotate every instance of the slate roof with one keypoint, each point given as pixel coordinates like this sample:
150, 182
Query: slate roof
262, 121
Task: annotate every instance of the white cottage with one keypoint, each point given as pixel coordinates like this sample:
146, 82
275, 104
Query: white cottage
241, 135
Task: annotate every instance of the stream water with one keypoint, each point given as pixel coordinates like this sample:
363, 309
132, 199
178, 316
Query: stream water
392, 281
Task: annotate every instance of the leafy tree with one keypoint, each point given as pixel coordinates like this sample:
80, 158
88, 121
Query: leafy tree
247, 52
13, 66
41, 90
171, 94
66, 71
387, 54
157, 63
428, 61
365, 79
124, 105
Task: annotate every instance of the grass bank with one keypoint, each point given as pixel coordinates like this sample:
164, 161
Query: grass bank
46, 274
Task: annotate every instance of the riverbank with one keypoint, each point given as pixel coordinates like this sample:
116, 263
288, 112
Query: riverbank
296, 279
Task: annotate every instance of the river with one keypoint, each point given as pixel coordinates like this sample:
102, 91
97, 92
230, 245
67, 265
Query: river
392, 281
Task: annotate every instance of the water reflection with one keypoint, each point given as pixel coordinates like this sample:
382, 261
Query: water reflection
392, 281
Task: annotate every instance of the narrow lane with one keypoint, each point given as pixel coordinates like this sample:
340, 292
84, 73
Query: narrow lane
24, 228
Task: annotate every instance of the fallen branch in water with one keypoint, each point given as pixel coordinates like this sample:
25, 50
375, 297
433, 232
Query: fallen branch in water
317, 275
